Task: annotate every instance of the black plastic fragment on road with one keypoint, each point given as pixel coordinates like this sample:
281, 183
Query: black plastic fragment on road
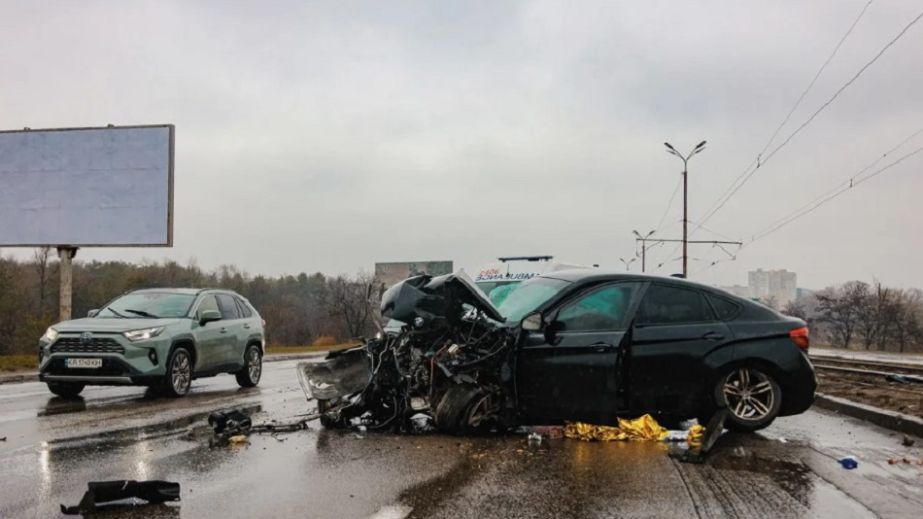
106, 494
713, 431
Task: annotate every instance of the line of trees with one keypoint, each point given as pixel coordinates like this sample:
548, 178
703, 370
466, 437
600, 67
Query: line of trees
864, 315
299, 309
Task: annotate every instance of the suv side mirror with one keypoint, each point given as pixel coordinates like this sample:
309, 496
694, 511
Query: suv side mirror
93, 313
532, 323
551, 331
208, 316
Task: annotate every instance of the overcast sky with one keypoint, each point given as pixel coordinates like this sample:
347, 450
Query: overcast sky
326, 136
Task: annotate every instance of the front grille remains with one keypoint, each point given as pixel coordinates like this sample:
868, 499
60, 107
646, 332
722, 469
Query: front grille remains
93, 345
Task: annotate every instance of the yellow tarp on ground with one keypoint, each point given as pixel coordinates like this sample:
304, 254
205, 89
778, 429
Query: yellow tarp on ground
642, 428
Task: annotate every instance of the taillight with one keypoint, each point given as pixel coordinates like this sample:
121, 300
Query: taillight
800, 337
264, 322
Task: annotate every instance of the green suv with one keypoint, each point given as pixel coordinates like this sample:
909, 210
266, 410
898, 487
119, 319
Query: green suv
163, 338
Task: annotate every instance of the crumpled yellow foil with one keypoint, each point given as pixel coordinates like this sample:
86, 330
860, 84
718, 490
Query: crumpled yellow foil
642, 428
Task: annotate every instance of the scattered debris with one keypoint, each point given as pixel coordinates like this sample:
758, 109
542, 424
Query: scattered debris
3, 439
702, 440
534, 439
905, 461
233, 426
107, 493
643, 428
237, 439
229, 423
848, 462
907, 441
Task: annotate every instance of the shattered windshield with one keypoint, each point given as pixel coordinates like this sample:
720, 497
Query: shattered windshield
149, 304
529, 295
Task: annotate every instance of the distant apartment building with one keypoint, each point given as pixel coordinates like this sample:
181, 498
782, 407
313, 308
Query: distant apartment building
777, 286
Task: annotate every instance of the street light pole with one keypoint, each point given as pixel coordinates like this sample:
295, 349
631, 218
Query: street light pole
643, 240
627, 263
672, 151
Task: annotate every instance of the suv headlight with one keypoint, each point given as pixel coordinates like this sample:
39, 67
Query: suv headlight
143, 335
50, 335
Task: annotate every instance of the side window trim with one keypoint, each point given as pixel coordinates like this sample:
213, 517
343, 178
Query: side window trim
243, 308
702, 295
737, 307
235, 307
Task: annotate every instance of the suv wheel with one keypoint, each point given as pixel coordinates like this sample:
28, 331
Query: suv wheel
249, 376
179, 373
65, 389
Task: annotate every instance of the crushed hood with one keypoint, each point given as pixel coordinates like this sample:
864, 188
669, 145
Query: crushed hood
435, 297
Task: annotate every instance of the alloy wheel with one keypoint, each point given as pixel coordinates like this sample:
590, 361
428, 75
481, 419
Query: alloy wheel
749, 394
254, 366
181, 374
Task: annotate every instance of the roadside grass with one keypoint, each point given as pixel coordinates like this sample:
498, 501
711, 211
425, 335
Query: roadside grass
281, 350
9, 363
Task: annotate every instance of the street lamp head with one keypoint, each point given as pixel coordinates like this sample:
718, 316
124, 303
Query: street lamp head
637, 233
667, 144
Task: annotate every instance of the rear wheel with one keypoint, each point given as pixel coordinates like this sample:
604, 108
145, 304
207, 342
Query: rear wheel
752, 397
178, 378
66, 389
249, 376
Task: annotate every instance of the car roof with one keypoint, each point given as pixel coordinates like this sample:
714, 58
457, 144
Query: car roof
596, 275
188, 291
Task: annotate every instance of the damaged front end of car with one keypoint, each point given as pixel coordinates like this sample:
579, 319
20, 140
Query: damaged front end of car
449, 365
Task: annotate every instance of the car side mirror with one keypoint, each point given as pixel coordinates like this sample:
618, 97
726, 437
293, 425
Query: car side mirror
93, 313
551, 331
532, 323
208, 316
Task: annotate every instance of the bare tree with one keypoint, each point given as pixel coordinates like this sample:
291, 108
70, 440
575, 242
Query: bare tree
40, 259
348, 299
841, 309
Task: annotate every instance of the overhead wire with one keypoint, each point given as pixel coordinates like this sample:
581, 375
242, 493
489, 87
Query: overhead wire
745, 177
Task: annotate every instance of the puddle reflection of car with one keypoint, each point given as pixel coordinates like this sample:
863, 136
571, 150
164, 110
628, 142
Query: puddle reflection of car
163, 338
566, 346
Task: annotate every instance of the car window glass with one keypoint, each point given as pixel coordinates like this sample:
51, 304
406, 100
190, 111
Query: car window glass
228, 306
724, 308
208, 303
244, 308
671, 305
603, 309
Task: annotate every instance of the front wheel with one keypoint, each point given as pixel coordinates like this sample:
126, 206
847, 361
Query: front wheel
249, 376
65, 389
178, 378
752, 397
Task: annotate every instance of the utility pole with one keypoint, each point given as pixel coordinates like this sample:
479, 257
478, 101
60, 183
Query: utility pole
643, 240
672, 151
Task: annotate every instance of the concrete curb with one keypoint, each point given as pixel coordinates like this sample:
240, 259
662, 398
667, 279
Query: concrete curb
32, 376
883, 418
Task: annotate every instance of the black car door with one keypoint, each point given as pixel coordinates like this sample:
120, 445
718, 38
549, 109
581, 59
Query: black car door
569, 370
675, 331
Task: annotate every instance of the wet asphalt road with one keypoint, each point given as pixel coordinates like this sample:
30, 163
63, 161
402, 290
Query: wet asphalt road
53, 448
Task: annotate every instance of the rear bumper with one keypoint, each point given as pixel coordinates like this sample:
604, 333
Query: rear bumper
798, 388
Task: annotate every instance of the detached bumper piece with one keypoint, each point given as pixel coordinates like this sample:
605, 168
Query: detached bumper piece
102, 495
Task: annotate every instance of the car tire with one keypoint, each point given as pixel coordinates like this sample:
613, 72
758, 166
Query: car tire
752, 396
66, 389
326, 421
178, 378
465, 409
249, 375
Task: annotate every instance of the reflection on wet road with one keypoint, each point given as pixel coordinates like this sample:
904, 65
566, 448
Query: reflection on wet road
54, 447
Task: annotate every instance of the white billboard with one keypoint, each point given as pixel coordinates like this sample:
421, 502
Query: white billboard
87, 187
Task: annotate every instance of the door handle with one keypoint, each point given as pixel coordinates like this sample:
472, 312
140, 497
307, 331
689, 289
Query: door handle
247, 326
602, 347
223, 330
713, 336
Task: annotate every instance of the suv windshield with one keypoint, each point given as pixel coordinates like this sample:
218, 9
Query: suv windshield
529, 295
149, 304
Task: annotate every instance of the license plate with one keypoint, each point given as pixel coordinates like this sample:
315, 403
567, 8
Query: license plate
83, 363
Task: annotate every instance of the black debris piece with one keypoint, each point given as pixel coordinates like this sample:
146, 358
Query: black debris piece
101, 493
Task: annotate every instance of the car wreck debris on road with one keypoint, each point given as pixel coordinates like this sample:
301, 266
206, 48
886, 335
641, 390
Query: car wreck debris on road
108, 494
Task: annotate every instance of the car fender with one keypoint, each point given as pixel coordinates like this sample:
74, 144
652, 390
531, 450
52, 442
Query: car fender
256, 338
184, 339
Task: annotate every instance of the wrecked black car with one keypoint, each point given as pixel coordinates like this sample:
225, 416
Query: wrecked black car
580, 345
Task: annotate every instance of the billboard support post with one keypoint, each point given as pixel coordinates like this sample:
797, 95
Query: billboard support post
66, 274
